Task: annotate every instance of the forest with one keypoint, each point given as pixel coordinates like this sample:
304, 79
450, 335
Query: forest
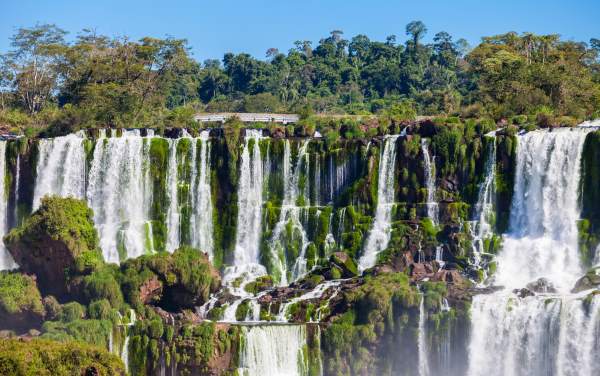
50, 80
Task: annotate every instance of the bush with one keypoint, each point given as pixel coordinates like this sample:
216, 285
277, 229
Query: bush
19, 293
100, 310
45, 357
72, 311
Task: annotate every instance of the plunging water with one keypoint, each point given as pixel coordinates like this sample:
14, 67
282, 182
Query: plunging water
549, 333
246, 264
190, 168
118, 188
120, 193
432, 205
482, 225
422, 340
60, 168
290, 223
6, 261
379, 236
273, 350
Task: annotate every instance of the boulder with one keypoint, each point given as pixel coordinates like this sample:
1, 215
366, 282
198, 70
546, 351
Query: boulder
542, 285
55, 243
589, 281
345, 263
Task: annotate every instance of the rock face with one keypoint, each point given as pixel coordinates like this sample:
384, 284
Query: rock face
56, 242
21, 306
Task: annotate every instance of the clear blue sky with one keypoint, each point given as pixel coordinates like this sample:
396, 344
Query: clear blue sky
215, 27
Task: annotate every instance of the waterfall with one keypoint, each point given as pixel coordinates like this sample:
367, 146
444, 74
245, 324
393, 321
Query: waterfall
273, 350
60, 168
173, 211
550, 333
6, 261
201, 220
542, 239
198, 195
246, 264
422, 340
250, 201
481, 228
120, 193
379, 236
125, 350
290, 216
432, 205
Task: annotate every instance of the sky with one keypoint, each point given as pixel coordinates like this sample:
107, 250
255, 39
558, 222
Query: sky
215, 27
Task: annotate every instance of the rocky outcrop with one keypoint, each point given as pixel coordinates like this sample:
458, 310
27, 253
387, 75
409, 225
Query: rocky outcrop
57, 242
181, 280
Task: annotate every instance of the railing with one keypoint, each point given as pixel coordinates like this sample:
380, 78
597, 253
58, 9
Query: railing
248, 117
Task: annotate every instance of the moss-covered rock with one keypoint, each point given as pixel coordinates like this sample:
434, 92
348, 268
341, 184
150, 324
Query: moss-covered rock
345, 264
183, 279
21, 306
45, 357
55, 243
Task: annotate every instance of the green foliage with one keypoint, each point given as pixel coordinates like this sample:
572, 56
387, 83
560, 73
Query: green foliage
71, 312
45, 357
61, 219
19, 293
102, 284
95, 332
100, 310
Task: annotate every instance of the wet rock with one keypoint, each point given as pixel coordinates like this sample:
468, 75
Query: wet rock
523, 293
542, 285
589, 281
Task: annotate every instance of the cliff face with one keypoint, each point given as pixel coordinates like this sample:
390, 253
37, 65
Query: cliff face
308, 211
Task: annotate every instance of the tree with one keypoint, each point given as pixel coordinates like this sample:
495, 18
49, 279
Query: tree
417, 30
30, 68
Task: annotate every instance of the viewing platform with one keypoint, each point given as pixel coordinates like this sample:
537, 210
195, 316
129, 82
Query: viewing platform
247, 117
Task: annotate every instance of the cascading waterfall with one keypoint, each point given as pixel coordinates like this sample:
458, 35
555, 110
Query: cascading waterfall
6, 261
173, 212
481, 228
125, 351
119, 190
273, 350
201, 220
120, 193
422, 340
290, 216
246, 263
198, 196
250, 201
379, 236
550, 333
60, 168
432, 205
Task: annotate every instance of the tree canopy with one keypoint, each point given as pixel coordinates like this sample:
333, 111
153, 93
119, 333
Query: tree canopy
95, 80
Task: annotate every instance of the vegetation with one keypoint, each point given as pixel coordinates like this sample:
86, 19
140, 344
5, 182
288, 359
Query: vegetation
96, 80
45, 357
